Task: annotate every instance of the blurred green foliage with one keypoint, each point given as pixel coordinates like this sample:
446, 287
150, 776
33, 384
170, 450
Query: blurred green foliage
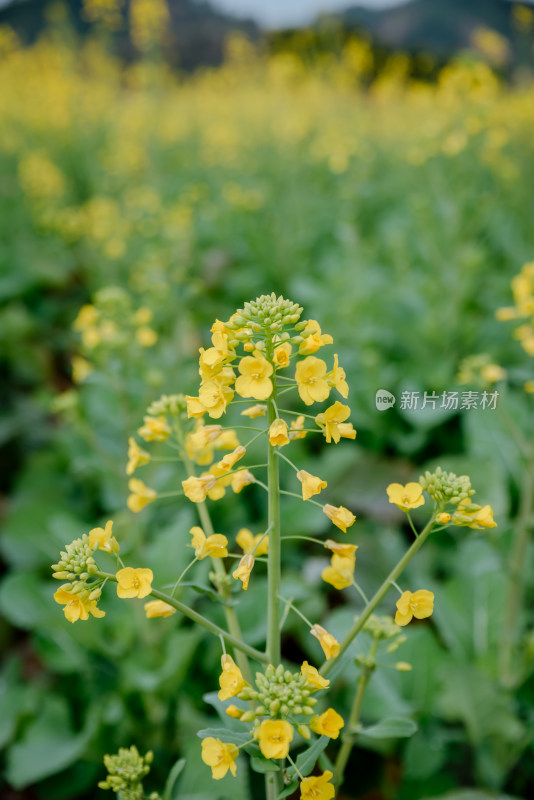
396, 217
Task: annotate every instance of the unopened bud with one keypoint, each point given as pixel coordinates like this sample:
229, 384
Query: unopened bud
304, 731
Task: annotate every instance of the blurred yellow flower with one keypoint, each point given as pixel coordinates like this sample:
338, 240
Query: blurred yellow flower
249, 543
338, 379
311, 484
340, 572
282, 355
317, 339
196, 489
274, 737
81, 368
406, 497
136, 456
134, 582
340, 516
328, 642
155, 429
77, 605
214, 546
220, 757
343, 550
259, 410
147, 337
241, 479
278, 433
140, 495
331, 421
296, 428
103, 539
418, 604
254, 380
244, 569
317, 787
231, 680
312, 385
313, 678
329, 723
158, 608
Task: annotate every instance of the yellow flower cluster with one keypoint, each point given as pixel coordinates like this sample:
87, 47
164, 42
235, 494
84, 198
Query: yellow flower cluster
523, 310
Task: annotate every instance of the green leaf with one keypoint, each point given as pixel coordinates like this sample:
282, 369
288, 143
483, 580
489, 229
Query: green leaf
293, 786
306, 761
261, 764
392, 728
168, 793
25, 600
224, 735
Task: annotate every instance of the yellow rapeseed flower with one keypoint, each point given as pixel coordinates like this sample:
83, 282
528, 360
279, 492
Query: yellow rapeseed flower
196, 489
234, 712
329, 723
81, 368
249, 543
158, 608
331, 421
337, 378
244, 569
104, 539
328, 642
155, 429
470, 515
254, 380
231, 680
214, 398
443, 518
318, 787
340, 572
140, 495
241, 479
215, 546
406, 497
147, 337
228, 461
418, 604
259, 410
296, 428
219, 756
278, 434
312, 385
137, 457
311, 484
282, 355
317, 339
344, 550
313, 678
77, 605
274, 737
340, 516
134, 582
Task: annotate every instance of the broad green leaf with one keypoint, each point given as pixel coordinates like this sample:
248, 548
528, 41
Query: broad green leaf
293, 786
224, 735
261, 764
306, 761
392, 728
168, 793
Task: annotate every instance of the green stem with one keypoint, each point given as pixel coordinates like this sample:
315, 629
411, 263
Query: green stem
516, 582
354, 718
251, 652
379, 595
229, 611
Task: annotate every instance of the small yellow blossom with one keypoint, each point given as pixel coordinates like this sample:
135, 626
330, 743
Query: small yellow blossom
274, 737
346, 430
137, 457
220, 757
194, 407
492, 373
254, 380
234, 712
231, 680
259, 410
87, 316
77, 606
228, 461
278, 434
470, 515
147, 337
296, 428
443, 518
227, 440
158, 608
248, 543
241, 479
140, 495
244, 569
282, 355
340, 572
406, 497
317, 787
311, 484
340, 516
143, 316
103, 539
214, 398
312, 385
328, 642
81, 368
329, 723
343, 550
332, 419
418, 604
215, 546
313, 678
196, 489
134, 582
338, 378
317, 339
155, 429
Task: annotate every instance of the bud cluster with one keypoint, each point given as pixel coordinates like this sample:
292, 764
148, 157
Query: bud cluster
279, 693
385, 628
168, 404
446, 487
126, 769
267, 312
77, 562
